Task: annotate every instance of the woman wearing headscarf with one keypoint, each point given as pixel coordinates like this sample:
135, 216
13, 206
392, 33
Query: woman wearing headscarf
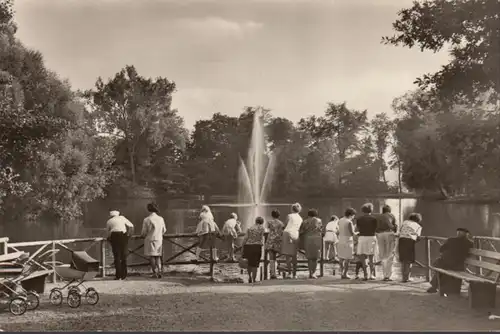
153, 229
207, 231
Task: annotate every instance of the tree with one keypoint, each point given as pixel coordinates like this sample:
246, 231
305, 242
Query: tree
470, 29
212, 157
138, 111
340, 124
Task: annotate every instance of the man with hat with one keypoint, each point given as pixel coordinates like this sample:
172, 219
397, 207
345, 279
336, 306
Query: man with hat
453, 254
119, 229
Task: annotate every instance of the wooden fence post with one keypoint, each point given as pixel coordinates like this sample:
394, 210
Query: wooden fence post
212, 260
477, 244
103, 258
6, 246
321, 260
428, 258
266, 263
54, 275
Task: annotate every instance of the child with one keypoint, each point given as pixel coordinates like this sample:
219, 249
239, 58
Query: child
357, 258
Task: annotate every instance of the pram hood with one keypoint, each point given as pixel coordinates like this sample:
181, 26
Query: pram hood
84, 262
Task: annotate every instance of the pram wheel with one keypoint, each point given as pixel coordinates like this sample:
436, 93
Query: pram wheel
18, 306
74, 299
56, 297
32, 300
91, 296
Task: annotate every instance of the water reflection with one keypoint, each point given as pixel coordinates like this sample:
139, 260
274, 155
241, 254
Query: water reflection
439, 218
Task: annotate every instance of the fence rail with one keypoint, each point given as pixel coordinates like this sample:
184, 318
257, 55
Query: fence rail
430, 244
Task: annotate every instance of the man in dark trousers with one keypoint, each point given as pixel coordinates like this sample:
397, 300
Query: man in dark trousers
119, 229
453, 254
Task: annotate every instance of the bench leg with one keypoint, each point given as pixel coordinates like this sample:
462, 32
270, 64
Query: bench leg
482, 295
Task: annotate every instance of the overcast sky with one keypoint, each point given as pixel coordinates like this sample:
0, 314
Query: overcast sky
292, 56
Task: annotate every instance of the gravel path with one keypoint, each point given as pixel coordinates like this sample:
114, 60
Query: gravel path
141, 304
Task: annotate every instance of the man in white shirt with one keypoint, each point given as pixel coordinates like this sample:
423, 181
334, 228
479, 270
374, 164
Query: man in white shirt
119, 229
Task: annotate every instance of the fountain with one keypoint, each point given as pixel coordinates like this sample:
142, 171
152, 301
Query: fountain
254, 178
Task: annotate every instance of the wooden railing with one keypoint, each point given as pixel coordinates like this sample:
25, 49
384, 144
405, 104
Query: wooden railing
431, 244
480, 242
3, 245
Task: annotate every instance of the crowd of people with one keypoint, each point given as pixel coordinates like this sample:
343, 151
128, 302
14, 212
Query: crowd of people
353, 238
350, 239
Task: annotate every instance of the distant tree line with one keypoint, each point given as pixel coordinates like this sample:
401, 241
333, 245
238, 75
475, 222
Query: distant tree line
61, 148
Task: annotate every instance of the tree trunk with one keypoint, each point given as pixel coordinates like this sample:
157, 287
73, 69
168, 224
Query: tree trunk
400, 184
131, 153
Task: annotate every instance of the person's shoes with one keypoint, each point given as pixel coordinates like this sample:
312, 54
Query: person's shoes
274, 277
357, 277
345, 277
313, 276
372, 278
117, 278
159, 276
432, 290
250, 280
365, 279
387, 279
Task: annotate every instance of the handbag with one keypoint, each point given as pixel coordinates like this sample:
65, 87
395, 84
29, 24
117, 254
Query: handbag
243, 263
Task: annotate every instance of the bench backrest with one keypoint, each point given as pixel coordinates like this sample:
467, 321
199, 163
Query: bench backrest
485, 259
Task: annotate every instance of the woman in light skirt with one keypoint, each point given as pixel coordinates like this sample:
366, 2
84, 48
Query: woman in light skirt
345, 246
153, 229
207, 231
290, 239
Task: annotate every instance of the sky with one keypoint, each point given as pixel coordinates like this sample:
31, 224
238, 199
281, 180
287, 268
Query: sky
291, 56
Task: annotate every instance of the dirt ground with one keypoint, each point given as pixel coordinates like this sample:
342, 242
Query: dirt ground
328, 303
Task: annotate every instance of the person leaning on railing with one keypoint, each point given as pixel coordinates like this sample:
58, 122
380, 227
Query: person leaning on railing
207, 231
153, 229
409, 234
454, 252
119, 230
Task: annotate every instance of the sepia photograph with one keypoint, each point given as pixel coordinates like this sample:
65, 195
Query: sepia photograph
249, 165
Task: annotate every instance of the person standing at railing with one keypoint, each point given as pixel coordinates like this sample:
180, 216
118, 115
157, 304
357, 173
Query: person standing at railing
231, 231
290, 239
345, 246
311, 230
153, 229
252, 247
207, 231
386, 239
454, 252
409, 233
273, 242
366, 226
119, 230
331, 238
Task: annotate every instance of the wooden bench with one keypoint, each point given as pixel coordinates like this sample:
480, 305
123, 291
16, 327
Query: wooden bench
482, 288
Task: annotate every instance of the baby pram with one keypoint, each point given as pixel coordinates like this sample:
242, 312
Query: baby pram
82, 268
12, 292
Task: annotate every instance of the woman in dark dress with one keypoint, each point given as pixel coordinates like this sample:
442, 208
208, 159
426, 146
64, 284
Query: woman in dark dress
252, 249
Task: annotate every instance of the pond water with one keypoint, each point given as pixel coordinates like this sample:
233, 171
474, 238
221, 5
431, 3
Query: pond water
439, 218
